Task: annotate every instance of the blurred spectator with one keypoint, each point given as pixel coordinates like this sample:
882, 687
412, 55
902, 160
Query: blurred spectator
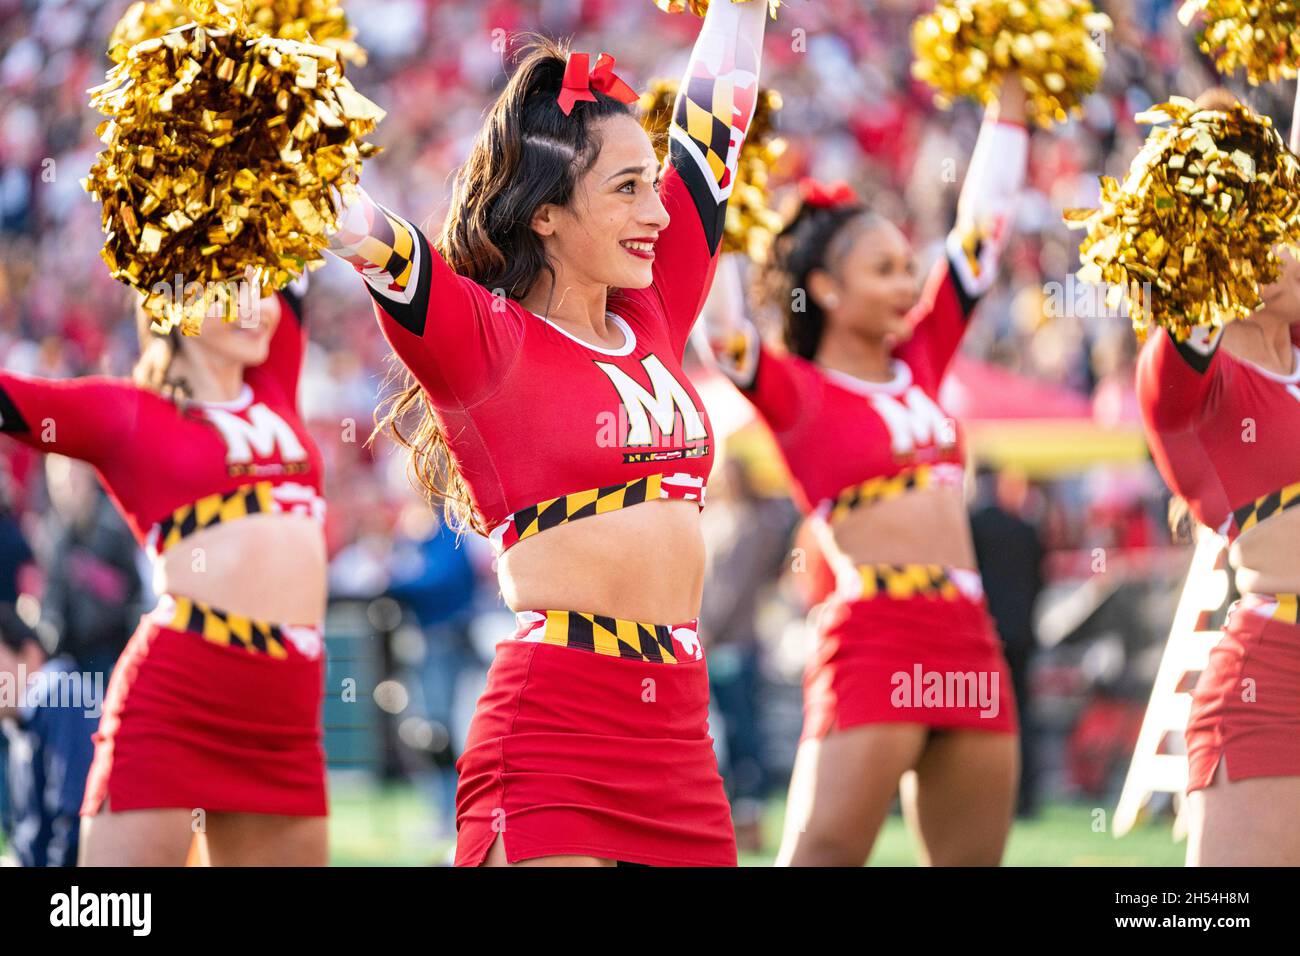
747, 538
93, 595
17, 640
431, 574
91, 606
1010, 558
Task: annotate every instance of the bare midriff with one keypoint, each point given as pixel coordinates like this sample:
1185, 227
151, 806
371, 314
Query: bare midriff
269, 567
643, 563
925, 526
1267, 557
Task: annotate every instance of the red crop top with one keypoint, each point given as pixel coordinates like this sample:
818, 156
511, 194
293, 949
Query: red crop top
543, 427
1222, 430
172, 472
849, 442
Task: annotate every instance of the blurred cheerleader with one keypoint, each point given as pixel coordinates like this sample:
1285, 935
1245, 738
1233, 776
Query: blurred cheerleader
212, 722
1222, 414
908, 673
543, 334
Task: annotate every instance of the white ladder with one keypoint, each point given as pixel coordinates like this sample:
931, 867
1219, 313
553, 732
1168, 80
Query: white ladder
1186, 652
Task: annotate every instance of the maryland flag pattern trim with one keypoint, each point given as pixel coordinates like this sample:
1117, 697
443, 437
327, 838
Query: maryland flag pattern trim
1247, 516
387, 248
212, 510
612, 637
879, 489
554, 512
903, 581
226, 629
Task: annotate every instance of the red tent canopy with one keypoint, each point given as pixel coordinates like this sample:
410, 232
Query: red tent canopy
977, 391
973, 391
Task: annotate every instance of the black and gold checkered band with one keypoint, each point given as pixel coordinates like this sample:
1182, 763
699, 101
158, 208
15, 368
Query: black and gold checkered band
534, 519
226, 629
212, 510
611, 636
902, 581
1247, 516
879, 489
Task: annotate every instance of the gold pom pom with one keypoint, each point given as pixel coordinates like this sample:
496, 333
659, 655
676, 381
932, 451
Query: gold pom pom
656, 105
701, 7
1261, 35
144, 21
323, 21
1056, 46
751, 222
1190, 236
221, 155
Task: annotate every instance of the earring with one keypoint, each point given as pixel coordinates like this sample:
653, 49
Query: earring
832, 301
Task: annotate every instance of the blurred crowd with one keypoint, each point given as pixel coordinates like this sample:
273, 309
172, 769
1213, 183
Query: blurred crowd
852, 113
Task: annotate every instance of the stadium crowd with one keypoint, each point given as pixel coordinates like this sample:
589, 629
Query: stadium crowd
433, 65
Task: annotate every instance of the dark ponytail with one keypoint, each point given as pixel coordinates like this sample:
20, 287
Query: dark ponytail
528, 154
153, 369
813, 239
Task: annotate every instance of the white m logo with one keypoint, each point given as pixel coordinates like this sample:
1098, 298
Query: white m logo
263, 433
916, 420
669, 396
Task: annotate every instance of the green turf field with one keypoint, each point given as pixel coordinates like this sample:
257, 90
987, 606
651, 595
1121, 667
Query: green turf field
395, 827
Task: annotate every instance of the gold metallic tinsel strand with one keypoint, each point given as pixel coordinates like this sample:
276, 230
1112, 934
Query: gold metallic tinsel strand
1190, 235
223, 154
701, 7
963, 46
751, 222
323, 21
1263, 36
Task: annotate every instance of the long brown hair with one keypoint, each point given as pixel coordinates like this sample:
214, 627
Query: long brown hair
528, 154
153, 369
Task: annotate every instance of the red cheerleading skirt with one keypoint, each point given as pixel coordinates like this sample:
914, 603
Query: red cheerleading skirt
572, 752
1246, 703
193, 722
924, 659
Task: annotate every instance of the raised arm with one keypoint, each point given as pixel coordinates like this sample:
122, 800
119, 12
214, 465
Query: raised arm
453, 334
728, 340
985, 215
84, 418
711, 118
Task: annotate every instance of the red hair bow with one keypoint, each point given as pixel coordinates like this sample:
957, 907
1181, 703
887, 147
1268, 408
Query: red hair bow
579, 84
827, 196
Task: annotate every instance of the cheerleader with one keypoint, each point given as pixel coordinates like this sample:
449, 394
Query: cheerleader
543, 334
908, 674
1222, 412
212, 718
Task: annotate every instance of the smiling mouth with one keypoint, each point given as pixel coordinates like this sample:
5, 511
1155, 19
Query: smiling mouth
639, 248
